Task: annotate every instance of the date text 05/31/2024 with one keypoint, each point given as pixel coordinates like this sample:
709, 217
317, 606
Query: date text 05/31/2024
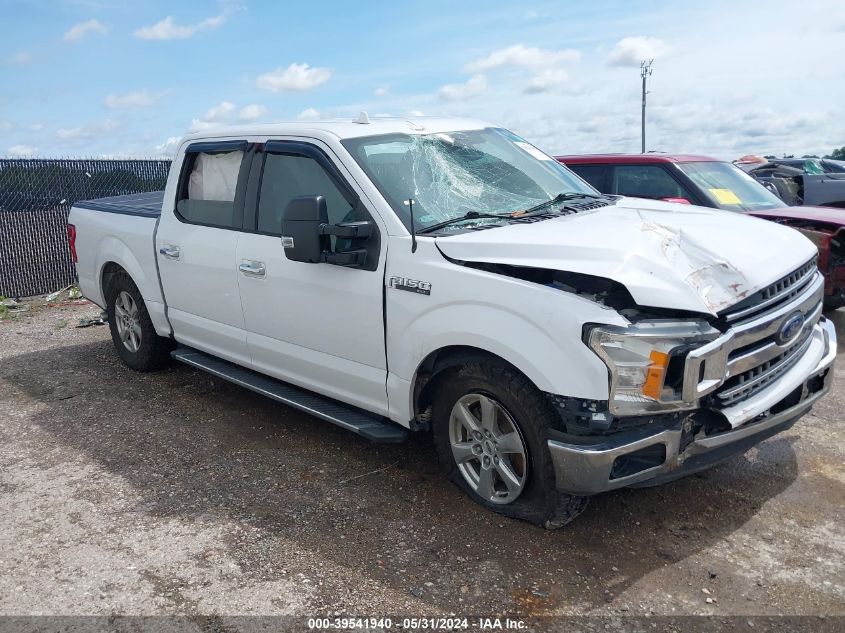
417, 624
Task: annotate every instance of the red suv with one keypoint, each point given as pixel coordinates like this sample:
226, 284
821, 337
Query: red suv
709, 182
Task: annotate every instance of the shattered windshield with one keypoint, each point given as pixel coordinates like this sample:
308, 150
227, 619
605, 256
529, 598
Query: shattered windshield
730, 188
448, 175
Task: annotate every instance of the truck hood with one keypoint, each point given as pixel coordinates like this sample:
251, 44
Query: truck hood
667, 255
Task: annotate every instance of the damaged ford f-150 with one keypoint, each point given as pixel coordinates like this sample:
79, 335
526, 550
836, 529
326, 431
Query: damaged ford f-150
394, 276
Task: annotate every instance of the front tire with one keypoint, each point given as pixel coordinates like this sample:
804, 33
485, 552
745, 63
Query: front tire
490, 427
833, 302
132, 331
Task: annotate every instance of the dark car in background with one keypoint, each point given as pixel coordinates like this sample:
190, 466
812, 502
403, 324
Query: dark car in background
799, 181
708, 182
812, 165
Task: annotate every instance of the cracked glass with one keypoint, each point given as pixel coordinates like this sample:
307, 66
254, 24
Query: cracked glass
448, 175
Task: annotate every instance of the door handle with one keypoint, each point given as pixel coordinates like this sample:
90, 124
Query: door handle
169, 251
252, 268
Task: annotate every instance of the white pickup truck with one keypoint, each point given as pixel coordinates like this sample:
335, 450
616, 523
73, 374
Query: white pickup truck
445, 276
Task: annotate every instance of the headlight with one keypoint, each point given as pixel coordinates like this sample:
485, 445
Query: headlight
646, 362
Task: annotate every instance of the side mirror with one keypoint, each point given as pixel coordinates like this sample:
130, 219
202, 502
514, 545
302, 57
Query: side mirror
302, 238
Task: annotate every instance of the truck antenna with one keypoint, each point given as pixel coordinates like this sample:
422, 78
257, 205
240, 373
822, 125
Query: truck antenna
410, 203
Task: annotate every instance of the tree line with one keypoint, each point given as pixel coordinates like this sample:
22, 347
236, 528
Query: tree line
837, 154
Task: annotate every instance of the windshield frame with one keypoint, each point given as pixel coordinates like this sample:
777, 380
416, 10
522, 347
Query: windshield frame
571, 182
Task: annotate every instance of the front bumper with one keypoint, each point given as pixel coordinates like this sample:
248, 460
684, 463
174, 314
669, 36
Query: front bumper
656, 456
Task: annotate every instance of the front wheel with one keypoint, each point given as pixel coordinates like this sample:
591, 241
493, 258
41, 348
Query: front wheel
490, 427
834, 302
132, 331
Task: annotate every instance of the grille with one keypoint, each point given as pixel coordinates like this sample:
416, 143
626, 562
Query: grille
744, 385
773, 295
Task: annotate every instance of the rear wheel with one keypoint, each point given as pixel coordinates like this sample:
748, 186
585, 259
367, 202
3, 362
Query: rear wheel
132, 331
490, 426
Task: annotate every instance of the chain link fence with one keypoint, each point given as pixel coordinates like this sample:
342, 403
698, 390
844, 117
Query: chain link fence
35, 198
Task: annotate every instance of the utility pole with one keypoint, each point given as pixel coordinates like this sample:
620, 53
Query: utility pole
645, 71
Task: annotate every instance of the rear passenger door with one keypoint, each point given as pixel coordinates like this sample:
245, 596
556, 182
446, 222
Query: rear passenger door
196, 244
319, 326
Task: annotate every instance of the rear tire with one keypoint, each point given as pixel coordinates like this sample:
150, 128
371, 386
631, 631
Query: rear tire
132, 331
490, 427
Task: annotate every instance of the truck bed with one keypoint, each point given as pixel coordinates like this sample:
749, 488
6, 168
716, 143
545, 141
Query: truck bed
120, 230
144, 204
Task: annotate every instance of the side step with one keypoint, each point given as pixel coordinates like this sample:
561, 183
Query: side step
367, 425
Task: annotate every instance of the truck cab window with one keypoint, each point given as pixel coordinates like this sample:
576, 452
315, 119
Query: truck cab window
646, 181
287, 176
208, 193
596, 175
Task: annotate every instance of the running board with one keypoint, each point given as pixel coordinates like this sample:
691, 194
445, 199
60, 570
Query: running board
369, 426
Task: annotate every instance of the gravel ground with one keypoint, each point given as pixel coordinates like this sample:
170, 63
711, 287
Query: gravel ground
176, 493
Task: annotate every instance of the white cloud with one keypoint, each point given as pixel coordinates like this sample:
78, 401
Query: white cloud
631, 51
521, 56
88, 131
309, 114
36, 127
381, 91
252, 112
474, 86
22, 151
81, 29
200, 125
167, 29
20, 59
415, 113
220, 112
215, 117
168, 148
547, 81
138, 99
294, 78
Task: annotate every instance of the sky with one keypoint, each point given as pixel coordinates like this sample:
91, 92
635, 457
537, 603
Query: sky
112, 78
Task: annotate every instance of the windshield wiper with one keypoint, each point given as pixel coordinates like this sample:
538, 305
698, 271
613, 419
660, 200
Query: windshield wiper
469, 215
513, 215
561, 197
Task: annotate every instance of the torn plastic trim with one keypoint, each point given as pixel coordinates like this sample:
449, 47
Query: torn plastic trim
606, 293
782, 290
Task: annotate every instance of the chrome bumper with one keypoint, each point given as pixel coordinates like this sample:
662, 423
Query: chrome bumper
589, 469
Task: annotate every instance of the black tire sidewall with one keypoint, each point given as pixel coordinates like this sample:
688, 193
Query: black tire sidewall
526, 407
149, 354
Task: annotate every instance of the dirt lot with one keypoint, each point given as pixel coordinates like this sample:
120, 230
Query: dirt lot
175, 493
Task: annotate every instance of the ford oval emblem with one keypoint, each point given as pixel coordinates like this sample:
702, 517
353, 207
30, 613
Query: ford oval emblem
790, 328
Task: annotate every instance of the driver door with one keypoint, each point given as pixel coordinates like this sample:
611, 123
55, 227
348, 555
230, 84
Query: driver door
319, 326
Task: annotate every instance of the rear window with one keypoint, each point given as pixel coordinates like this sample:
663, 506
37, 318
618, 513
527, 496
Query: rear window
207, 192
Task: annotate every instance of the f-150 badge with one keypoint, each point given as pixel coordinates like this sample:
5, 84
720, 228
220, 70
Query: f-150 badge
411, 285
